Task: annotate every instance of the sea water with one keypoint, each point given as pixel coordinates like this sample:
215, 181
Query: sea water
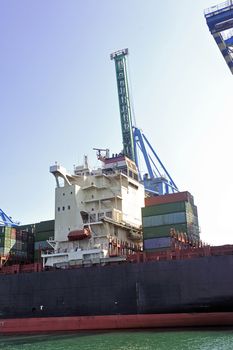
212, 339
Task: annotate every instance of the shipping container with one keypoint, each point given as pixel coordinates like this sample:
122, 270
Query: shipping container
44, 236
44, 226
162, 231
155, 243
165, 208
166, 219
17, 244
37, 255
169, 198
42, 231
42, 245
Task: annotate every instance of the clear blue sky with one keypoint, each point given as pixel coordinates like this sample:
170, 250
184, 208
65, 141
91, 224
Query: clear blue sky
58, 98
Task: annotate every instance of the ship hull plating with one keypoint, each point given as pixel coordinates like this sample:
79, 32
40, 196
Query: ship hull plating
114, 322
139, 291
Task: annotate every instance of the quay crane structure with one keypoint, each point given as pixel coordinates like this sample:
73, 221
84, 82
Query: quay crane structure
157, 180
6, 220
219, 19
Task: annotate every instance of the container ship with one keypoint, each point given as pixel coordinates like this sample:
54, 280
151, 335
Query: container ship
124, 250
116, 260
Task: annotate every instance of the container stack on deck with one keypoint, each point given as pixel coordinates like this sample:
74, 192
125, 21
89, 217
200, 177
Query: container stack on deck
44, 231
169, 216
16, 245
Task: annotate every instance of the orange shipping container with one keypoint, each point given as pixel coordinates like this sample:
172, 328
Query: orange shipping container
169, 198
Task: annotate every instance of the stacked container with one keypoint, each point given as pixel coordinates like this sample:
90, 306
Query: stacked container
16, 245
165, 214
44, 231
7, 239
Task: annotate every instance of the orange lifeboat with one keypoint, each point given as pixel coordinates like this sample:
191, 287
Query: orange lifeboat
77, 235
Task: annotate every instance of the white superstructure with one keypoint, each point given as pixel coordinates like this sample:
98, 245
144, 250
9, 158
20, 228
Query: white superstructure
97, 213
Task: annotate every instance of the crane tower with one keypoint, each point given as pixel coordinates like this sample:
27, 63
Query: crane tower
157, 180
124, 102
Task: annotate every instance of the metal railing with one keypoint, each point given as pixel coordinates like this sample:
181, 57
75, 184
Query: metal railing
227, 34
213, 10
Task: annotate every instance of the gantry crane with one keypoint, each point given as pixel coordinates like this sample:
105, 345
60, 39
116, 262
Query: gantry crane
124, 102
219, 19
157, 179
6, 220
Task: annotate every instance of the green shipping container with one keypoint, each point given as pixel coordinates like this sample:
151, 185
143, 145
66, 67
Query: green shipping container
44, 226
162, 231
43, 235
37, 256
164, 219
163, 209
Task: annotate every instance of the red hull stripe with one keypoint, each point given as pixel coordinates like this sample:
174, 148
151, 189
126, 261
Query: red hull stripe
76, 323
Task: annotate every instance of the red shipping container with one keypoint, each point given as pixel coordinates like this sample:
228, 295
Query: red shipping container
169, 198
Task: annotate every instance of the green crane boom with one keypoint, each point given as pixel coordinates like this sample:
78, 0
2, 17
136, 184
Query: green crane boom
124, 102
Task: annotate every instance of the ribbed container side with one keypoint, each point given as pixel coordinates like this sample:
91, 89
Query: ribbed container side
18, 244
7, 229
43, 235
37, 255
28, 228
20, 254
189, 216
162, 231
165, 219
165, 208
41, 245
2, 241
13, 234
7, 241
157, 249
194, 209
191, 208
193, 231
13, 241
44, 226
169, 198
155, 243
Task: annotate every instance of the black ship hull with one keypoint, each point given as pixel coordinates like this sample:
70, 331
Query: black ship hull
200, 285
